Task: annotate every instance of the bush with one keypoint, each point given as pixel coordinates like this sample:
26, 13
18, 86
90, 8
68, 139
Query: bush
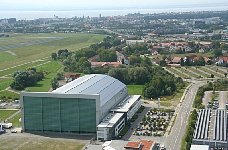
199, 95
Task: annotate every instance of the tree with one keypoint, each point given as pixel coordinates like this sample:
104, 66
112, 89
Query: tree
201, 62
107, 56
26, 78
134, 60
225, 74
146, 62
162, 63
182, 62
139, 75
83, 65
54, 56
54, 83
212, 76
120, 74
217, 53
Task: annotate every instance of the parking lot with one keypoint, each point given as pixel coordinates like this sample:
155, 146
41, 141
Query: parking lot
215, 100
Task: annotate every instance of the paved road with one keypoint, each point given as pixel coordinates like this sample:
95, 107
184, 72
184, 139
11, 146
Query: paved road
222, 99
173, 141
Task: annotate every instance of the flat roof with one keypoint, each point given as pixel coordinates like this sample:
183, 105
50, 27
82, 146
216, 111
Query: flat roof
110, 120
211, 124
125, 105
199, 147
103, 85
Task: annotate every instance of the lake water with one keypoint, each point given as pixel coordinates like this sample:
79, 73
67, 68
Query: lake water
95, 13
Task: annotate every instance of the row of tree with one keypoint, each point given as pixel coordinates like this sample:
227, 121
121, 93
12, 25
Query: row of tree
188, 62
136, 75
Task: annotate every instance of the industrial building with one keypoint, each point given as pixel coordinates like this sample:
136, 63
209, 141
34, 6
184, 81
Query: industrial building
90, 104
211, 128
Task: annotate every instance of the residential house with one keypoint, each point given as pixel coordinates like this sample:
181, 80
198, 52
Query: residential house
154, 52
221, 60
71, 76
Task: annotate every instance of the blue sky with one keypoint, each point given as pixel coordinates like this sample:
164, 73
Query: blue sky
101, 4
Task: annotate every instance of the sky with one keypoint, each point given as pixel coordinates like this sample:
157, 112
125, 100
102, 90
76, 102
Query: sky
102, 4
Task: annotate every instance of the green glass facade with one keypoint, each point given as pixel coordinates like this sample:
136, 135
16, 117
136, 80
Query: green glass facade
59, 114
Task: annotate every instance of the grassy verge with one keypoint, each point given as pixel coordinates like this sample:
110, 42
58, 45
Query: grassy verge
4, 114
199, 95
9, 96
174, 99
15, 120
135, 89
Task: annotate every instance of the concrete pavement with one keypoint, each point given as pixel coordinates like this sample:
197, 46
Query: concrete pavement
223, 99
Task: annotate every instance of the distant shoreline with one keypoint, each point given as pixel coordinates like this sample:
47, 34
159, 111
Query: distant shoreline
30, 15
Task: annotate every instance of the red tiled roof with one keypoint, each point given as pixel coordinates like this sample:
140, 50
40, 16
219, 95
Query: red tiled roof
133, 145
146, 144
176, 59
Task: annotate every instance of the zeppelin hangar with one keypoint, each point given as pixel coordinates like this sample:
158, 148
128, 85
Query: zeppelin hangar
92, 104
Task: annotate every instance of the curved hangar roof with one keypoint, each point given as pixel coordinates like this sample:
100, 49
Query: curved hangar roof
103, 85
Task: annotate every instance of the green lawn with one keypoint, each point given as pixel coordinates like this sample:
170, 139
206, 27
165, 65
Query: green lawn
135, 89
51, 68
15, 120
5, 114
4, 83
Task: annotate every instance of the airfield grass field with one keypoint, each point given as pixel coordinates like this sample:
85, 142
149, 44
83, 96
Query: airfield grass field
23, 51
23, 48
